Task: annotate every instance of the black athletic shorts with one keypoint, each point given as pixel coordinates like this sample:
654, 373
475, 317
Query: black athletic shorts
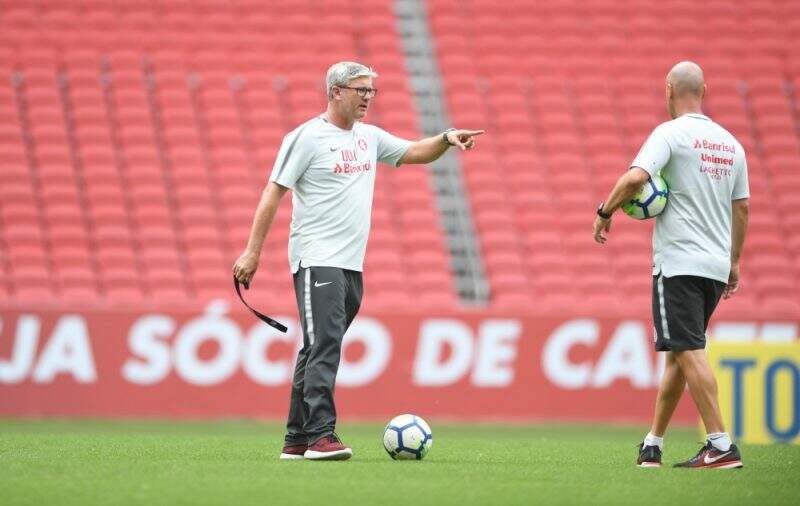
682, 307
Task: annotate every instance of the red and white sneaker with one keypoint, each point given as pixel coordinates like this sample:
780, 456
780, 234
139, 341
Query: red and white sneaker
293, 452
328, 448
710, 458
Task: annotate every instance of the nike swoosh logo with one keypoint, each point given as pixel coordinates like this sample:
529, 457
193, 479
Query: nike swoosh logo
707, 460
317, 284
334, 149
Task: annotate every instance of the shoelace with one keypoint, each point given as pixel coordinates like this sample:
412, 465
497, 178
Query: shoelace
706, 446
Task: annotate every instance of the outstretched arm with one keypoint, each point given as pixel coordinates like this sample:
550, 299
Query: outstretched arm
245, 267
430, 149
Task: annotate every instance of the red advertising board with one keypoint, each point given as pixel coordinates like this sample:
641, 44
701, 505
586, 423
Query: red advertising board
477, 366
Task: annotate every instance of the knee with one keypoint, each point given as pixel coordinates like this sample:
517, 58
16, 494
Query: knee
694, 363
685, 359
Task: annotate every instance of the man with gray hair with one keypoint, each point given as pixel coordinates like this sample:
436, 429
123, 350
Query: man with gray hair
329, 164
697, 244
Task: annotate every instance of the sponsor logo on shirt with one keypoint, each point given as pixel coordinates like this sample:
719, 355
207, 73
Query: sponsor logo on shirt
716, 159
714, 146
715, 172
352, 168
349, 163
715, 164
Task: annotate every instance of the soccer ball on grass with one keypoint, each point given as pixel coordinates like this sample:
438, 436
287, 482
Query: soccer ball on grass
407, 437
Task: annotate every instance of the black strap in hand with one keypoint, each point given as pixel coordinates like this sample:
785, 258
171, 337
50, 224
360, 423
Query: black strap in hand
266, 319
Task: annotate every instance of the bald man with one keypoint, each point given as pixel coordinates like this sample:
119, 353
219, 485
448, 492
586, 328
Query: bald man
697, 243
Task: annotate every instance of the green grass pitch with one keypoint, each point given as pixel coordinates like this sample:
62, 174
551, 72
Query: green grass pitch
235, 462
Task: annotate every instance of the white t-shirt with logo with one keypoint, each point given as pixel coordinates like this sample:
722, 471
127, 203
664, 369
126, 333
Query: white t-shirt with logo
331, 173
705, 169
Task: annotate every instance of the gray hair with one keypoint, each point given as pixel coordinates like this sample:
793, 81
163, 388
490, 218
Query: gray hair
340, 74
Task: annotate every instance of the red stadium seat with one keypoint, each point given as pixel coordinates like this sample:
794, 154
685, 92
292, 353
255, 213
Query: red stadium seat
583, 134
173, 120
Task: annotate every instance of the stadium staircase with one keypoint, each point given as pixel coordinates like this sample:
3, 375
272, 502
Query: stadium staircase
453, 202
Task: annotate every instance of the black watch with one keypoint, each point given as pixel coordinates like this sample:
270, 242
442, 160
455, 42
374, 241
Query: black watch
600, 212
444, 136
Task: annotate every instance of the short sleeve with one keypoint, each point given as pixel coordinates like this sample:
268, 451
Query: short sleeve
655, 152
390, 148
294, 157
741, 185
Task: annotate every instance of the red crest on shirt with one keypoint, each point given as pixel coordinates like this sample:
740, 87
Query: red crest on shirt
362, 143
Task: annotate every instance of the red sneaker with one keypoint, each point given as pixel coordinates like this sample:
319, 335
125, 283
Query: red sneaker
710, 458
328, 448
293, 452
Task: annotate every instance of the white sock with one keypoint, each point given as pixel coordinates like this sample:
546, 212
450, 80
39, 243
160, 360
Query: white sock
720, 440
651, 440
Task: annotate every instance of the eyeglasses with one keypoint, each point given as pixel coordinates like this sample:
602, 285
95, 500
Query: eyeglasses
362, 91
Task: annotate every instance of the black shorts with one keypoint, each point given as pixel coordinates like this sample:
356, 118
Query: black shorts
682, 307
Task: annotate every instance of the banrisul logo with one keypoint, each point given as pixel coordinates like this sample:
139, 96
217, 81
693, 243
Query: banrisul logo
352, 168
349, 163
714, 146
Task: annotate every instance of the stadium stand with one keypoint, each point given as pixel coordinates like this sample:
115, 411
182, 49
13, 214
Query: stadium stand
567, 98
135, 139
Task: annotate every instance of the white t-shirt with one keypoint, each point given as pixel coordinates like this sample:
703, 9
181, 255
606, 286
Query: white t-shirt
331, 173
705, 168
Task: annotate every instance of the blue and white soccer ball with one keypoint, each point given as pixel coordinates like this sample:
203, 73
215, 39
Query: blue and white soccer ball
650, 201
407, 437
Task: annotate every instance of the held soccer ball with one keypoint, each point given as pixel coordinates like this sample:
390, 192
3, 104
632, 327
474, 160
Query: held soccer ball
407, 437
650, 201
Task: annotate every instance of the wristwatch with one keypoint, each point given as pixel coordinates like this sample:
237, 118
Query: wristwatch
444, 136
600, 212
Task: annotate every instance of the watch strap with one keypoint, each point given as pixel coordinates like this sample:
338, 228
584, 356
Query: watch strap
444, 136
